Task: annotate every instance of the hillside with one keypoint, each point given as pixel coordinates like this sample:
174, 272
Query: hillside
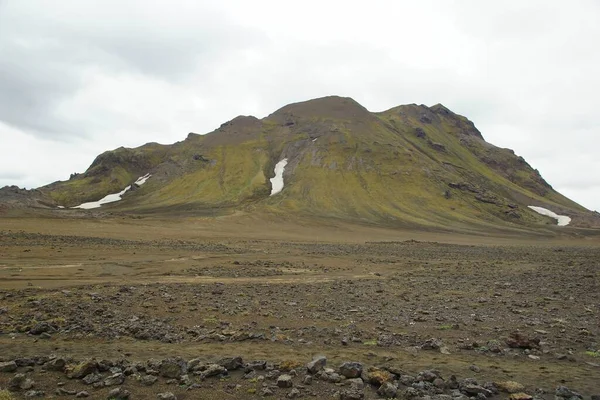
412, 165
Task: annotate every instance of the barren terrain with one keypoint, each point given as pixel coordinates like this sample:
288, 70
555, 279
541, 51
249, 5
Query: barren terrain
151, 305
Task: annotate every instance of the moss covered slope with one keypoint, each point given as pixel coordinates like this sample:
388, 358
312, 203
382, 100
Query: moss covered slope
415, 165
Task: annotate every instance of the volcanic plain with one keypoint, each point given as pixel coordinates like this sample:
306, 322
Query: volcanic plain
105, 305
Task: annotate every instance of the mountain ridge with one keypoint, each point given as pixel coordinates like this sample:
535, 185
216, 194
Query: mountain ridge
416, 164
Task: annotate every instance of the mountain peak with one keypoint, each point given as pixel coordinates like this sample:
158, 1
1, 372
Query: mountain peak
330, 107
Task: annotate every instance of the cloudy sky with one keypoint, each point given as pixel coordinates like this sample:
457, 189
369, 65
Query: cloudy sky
78, 77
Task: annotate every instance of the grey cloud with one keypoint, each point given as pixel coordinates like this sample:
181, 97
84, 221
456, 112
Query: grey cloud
45, 57
95, 75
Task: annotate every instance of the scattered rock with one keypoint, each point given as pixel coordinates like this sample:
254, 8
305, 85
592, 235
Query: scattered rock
521, 341
387, 390
166, 396
509, 386
284, 381
317, 364
376, 376
92, 378
9, 366
520, 396
34, 393
148, 380
351, 369
352, 395
20, 382
566, 393
213, 370
56, 364
171, 368
115, 379
82, 369
119, 394
82, 394
231, 363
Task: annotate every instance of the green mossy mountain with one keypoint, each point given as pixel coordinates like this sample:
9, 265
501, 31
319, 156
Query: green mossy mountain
412, 164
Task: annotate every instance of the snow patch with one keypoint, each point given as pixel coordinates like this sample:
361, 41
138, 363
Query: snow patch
111, 198
563, 220
141, 180
277, 181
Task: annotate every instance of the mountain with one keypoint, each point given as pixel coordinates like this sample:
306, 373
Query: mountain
412, 165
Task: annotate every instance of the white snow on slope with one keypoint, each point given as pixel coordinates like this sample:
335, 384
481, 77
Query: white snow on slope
277, 181
111, 198
141, 180
563, 220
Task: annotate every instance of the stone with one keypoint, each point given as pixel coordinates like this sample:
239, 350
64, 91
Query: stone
285, 381
56, 364
213, 370
148, 380
352, 395
377, 376
166, 396
9, 366
195, 364
387, 390
266, 392
24, 362
317, 364
119, 394
231, 363
356, 384
474, 390
520, 396
42, 327
170, 369
509, 386
34, 393
293, 393
427, 376
65, 392
307, 380
566, 393
115, 379
351, 369
82, 369
20, 382
82, 394
260, 365
521, 341
92, 378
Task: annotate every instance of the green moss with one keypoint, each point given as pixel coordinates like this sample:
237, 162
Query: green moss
6, 395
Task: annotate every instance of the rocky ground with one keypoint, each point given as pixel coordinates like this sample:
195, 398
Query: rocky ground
104, 317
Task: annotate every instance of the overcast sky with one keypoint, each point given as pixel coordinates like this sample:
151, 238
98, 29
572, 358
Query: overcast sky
80, 77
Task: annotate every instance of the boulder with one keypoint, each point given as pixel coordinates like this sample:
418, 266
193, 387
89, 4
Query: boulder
351, 369
9, 366
284, 381
387, 390
82, 369
317, 364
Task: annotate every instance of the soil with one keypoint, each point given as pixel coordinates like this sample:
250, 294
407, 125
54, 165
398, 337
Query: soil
138, 291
